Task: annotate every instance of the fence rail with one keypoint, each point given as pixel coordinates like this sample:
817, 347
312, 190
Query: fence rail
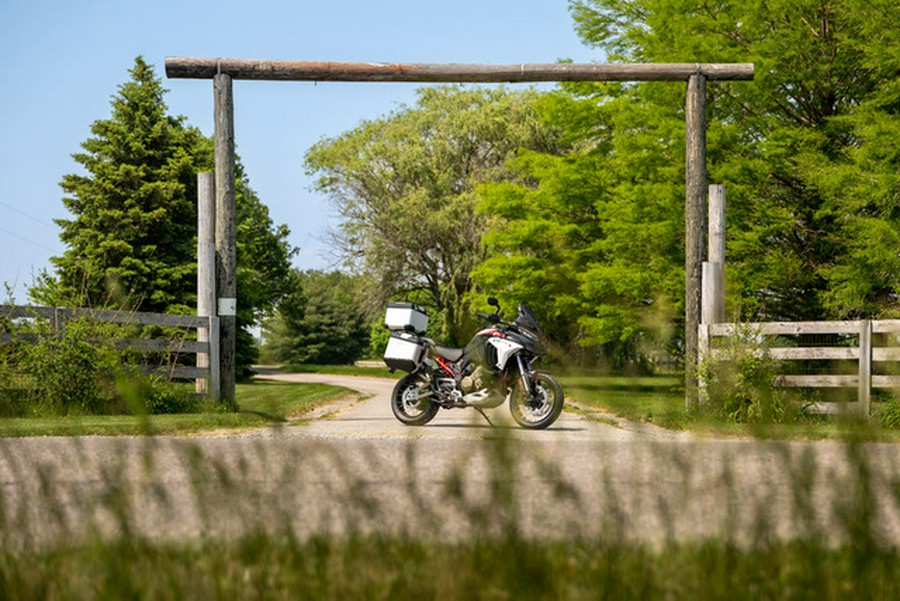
865, 352
206, 351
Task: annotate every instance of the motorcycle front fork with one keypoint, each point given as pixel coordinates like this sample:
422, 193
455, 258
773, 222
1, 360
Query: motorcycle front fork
525, 375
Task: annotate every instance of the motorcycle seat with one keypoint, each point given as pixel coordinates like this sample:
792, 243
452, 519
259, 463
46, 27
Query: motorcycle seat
451, 354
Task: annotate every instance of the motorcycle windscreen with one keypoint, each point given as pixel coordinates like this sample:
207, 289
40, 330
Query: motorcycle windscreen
526, 319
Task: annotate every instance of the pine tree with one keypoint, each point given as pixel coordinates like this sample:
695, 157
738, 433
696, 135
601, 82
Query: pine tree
131, 242
131, 238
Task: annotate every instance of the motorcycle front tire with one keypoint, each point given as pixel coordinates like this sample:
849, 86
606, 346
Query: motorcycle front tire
543, 407
411, 401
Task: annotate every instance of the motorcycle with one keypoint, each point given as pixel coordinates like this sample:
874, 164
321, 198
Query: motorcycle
495, 367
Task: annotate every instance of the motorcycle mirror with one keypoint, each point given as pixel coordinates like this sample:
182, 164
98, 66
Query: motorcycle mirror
493, 301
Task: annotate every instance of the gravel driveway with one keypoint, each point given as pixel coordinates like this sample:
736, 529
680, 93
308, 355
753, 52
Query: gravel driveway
356, 469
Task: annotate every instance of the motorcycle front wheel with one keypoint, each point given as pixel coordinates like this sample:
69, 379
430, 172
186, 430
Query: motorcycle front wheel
411, 401
540, 409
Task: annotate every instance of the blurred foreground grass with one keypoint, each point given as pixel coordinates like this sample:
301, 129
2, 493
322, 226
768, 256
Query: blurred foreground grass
273, 565
267, 567
260, 403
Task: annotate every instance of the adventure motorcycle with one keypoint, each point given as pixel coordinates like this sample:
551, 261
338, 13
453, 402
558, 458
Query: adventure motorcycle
494, 367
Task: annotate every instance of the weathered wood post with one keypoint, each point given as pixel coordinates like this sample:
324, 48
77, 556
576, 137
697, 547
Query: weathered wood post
226, 251
864, 396
695, 225
206, 271
714, 267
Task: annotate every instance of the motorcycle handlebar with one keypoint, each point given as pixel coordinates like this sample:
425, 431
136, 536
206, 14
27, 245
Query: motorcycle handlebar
492, 318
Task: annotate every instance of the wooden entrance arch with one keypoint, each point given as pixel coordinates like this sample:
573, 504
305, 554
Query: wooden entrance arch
224, 70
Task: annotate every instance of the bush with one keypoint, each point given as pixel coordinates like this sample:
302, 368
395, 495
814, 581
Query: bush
79, 369
70, 370
739, 383
156, 395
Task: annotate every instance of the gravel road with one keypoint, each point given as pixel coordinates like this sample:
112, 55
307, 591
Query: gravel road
354, 468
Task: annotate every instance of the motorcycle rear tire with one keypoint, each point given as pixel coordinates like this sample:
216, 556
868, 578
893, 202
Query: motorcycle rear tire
408, 404
543, 408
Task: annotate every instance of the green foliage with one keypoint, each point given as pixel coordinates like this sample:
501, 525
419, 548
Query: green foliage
592, 239
264, 274
132, 239
808, 149
78, 369
889, 416
320, 323
70, 371
739, 383
372, 567
404, 187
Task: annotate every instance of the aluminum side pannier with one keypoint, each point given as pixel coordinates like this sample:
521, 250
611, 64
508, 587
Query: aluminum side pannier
405, 351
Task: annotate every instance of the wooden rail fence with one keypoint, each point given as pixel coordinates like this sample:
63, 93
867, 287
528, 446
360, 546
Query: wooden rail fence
865, 351
207, 352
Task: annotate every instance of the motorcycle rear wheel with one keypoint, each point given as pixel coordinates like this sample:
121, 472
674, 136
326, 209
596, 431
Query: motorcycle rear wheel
543, 407
411, 401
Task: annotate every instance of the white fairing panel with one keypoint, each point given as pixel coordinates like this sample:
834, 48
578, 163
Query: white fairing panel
505, 350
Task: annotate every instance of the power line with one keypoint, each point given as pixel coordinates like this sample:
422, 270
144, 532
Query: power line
24, 214
15, 235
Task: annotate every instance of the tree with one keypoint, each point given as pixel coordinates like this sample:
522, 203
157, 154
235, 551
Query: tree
808, 152
805, 149
264, 274
592, 239
404, 187
320, 323
131, 242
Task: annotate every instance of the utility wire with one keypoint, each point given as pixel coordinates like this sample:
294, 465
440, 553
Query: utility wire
24, 214
15, 235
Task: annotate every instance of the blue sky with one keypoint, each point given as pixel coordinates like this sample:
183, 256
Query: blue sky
62, 61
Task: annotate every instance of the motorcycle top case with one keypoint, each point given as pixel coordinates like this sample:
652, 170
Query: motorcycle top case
405, 351
408, 317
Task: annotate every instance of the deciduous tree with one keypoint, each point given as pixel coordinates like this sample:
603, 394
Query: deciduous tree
404, 187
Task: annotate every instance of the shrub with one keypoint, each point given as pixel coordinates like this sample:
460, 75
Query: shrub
739, 382
80, 369
70, 369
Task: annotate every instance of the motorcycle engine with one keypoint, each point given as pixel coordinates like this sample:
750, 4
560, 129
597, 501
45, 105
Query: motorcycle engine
473, 381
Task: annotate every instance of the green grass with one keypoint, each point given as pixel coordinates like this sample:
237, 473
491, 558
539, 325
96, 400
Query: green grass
660, 400
267, 567
260, 404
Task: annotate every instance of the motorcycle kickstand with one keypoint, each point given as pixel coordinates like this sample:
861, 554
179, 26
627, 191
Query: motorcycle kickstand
484, 415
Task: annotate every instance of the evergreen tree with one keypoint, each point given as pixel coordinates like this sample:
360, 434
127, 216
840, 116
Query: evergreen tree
320, 323
131, 241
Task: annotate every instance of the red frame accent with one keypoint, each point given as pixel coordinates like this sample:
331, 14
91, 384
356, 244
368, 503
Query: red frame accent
444, 364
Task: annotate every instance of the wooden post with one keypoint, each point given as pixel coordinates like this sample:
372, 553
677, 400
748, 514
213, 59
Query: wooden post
695, 224
716, 253
206, 269
215, 361
709, 313
865, 367
703, 335
226, 255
